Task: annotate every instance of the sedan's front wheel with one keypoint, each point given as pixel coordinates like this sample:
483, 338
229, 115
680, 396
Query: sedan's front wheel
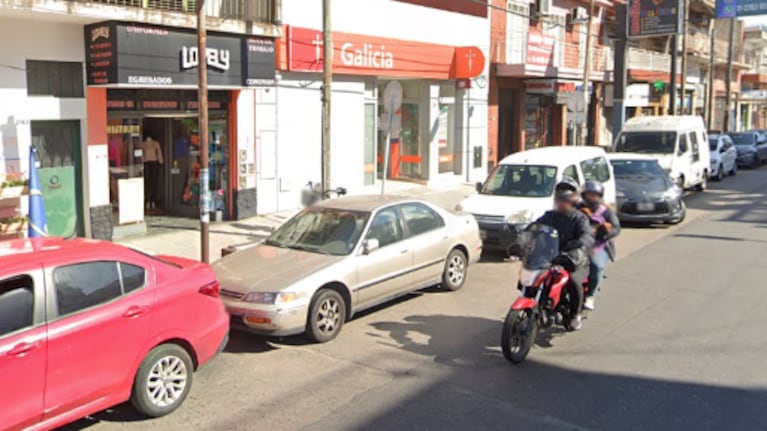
327, 315
454, 275
163, 380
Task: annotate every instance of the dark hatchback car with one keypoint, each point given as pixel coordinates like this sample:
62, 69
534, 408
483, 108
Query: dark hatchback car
752, 148
645, 192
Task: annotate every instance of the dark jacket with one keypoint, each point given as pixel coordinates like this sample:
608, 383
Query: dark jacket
575, 237
607, 232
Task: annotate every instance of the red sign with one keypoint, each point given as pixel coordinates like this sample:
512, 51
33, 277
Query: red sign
377, 56
540, 48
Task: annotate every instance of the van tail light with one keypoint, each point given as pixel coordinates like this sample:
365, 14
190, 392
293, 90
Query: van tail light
211, 289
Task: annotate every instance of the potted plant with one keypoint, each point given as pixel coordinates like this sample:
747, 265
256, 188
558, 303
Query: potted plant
14, 186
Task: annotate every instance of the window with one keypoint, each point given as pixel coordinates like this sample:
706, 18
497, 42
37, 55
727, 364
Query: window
683, 143
521, 180
571, 172
55, 78
694, 145
133, 277
647, 142
596, 169
386, 228
517, 27
85, 285
420, 219
17, 300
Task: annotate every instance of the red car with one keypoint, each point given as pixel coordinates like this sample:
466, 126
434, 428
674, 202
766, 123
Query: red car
85, 325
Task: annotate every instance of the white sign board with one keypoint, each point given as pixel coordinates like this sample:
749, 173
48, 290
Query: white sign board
637, 95
131, 191
98, 169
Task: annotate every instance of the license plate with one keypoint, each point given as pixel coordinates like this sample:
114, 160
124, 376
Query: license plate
645, 206
482, 234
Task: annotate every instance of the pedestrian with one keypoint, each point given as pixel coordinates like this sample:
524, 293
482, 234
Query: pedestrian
605, 227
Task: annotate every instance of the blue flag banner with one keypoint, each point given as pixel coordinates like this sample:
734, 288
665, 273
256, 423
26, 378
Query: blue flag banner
38, 223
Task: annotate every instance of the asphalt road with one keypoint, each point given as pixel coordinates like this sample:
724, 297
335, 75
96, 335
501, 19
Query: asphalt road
677, 342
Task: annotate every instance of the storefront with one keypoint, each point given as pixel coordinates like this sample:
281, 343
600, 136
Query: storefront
143, 122
428, 142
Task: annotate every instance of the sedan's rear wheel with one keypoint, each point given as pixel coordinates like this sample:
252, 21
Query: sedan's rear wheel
327, 315
163, 380
454, 275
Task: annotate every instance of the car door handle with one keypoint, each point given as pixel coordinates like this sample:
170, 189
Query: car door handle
23, 348
135, 311
404, 251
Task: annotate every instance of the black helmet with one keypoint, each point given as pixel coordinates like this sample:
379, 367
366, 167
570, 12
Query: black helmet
595, 187
566, 190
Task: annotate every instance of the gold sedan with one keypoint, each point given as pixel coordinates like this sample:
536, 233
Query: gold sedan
342, 256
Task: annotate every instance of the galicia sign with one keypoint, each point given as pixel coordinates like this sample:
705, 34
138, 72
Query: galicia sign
368, 56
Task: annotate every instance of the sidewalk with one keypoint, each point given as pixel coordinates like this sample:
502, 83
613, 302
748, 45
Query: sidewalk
184, 240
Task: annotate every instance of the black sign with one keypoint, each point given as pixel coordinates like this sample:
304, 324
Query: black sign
149, 56
654, 17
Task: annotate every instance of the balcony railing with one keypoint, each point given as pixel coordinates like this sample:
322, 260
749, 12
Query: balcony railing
264, 11
643, 59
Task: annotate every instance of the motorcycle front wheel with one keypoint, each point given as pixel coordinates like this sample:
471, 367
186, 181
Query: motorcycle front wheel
520, 330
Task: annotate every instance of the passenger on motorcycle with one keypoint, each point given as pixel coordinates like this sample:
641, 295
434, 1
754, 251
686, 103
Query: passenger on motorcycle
575, 242
605, 226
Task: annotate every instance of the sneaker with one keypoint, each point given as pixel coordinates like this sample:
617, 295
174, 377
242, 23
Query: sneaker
588, 304
575, 323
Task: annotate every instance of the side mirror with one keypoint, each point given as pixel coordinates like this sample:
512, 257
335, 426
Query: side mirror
370, 245
478, 186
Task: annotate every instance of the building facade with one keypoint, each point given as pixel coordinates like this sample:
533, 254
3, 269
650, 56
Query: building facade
537, 65
753, 95
106, 94
438, 133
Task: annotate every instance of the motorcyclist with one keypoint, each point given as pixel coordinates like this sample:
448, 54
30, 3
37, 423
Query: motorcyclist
575, 241
605, 226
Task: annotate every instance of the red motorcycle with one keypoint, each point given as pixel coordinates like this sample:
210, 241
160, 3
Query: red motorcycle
544, 299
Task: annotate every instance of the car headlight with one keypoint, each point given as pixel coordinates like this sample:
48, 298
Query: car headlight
523, 217
619, 194
527, 277
276, 298
672, 193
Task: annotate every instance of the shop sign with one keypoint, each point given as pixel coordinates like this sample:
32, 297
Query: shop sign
654, 17
637, 95
736, 8
370, 55
145, 56
540, 48
541, 86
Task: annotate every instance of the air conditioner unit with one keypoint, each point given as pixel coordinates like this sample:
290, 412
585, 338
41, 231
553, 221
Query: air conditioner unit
544, 7
580, 14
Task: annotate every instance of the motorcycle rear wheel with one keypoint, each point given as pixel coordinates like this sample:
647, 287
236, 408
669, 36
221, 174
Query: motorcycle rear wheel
520, 329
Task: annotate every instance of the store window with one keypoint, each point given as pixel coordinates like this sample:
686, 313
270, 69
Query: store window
408, 152
370, 144
126, 169
449, 149
538, 120
55, 78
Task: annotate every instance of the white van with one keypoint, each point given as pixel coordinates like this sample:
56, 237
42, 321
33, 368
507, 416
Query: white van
521, 188
678, 142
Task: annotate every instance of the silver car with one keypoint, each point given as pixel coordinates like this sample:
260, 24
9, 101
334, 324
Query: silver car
341, 256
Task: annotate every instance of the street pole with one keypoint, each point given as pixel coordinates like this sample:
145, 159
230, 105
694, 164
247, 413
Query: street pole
327, 79
587, 74
672, 86
683, 92
728, 96
202, 94
619, 68
711, 75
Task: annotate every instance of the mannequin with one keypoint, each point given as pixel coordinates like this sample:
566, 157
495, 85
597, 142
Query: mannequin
152, 152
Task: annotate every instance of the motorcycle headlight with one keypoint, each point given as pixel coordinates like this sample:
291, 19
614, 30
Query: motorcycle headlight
527, 277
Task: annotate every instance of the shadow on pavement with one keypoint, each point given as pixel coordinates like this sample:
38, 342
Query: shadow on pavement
482, 391
243, 342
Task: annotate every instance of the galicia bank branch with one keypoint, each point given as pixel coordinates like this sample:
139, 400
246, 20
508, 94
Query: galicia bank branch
429, 143
143, 135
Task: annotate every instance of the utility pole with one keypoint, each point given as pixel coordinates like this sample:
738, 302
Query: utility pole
587, 74
619, 68
202, 94
728, 96
685, 19
711, 75
327, 79
672, 88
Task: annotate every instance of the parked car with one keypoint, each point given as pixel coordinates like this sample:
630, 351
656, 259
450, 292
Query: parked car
85, 325
521, 188
723, 156
646, 193
751, 148
341, 256
678, 142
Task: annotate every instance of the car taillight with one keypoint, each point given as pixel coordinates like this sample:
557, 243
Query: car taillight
211, 289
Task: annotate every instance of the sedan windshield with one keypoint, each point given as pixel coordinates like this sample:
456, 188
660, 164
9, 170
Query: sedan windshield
321, 230
742, 139
647, 142
637, 168
521, 180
